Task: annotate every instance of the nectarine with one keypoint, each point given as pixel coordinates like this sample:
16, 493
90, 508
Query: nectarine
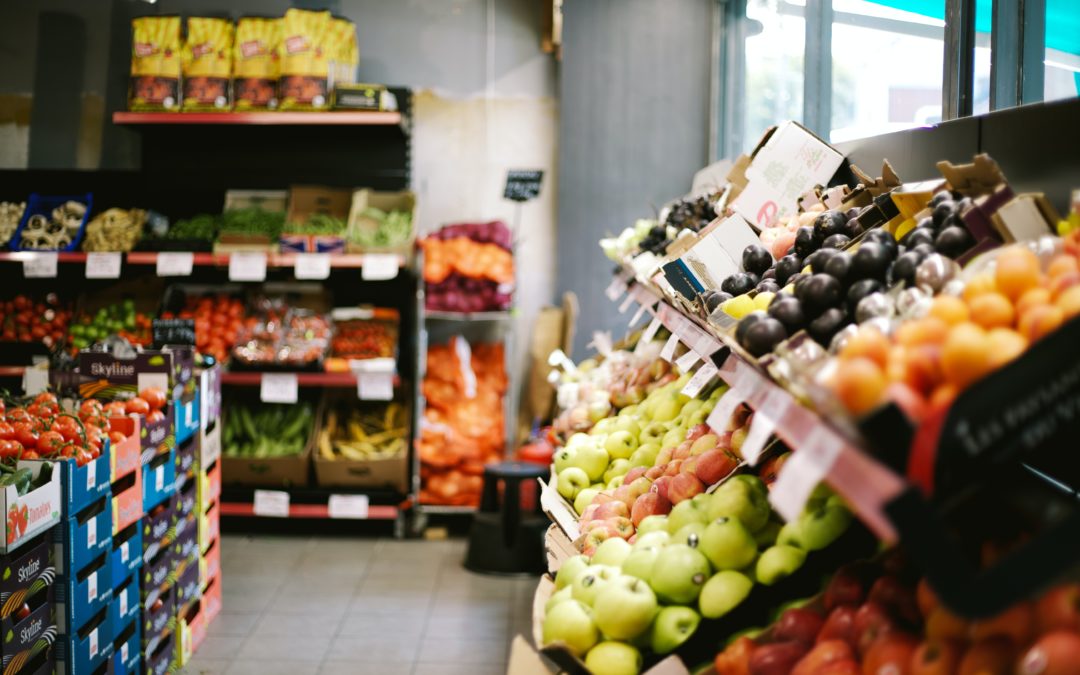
860, 384
1040, 321
992, 310
1017, 271
966, 356
949, 309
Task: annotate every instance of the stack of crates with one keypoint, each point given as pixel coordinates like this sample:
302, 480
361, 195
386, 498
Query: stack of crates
26, 613
158, 589
126, 555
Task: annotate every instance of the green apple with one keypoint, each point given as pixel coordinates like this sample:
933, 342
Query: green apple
679, 573
778, 562
591, 581
699, 416
654, 523
740, 499
569, 570
790, 535
723, 592
691, 406
672, 627
611, 552
727, 544
640, 562
673, 437
618, 467
603, 427
652, 433
620, 444
616, 482
557, 597
563, 457
652, 539
625, 608
645, 455
577, 440
684, 513
629, 411
572, 481
613, 658
629, 425
824, 526
584, 498
570, 623
766, 536
592, 459
667, 410
689, 534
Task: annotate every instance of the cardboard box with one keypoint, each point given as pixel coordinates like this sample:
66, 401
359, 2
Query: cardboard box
84, 650
191, 631
558, 547
188, 588
125, 456
159, 479
186, 545
127, 649
209, 487
211, 599
187, 500
384, 201
159, 528
209, 446
210, 564
32, 513
209, 528
392, 472
716, 255
21, 635
187, 463
157, 581
81, 596
127, 501
125, 606
80, 540
558, 509
25, 573
186, 415
158, 623
127, 553
161, 660
108, 377
306, 201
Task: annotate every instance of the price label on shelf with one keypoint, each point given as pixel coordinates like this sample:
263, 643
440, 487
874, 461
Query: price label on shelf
159, 478
41, 265
175, 264
625, 306
701, 378
379, 266
35, 380
125, 551
93, 639
103, 265
638, 314
247, 266
123, 604
616, 288
650, 331
720, 416
809, 464
668, 352
348, 506
278, 388
375, 386
312, 266
761, 427
271, 503
687, 361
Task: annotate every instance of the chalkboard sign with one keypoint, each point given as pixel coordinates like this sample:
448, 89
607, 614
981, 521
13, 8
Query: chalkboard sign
173, 332
521, 186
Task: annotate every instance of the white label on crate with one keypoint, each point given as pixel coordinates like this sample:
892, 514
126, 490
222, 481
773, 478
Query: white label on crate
123, 603
35, 380
312, 266
91, 533
761, 427
274, 503
175, 264
103, 265
189, 414
348, 506
91, 587
125, 551
94, 643
625, 306
701, 378
247, 266
91, 475
668, 352
159, 478
40, 265
379, 266
800, 475
685, 362
278, 388
374, 386
720, 416
124, 652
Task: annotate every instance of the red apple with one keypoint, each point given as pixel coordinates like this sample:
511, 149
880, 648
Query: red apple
777, 658
649, 504
892, 594
1015, 624
845, 667
735, 659
689, 466
713, 465
697, 431
890, 655
723, 441
622, 526
1056, 653
654, 472
605, 496
612, 510
799, 624
596, 524
664, 456
845, 588
824, 653
682, 451
589, 513
673, 467
870, 623
661, 486
634, 474
936, 657
988, 657
1059, 608
684, 486
839, 625
771, 468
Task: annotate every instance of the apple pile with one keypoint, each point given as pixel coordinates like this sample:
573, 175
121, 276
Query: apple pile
700, 561
875, 619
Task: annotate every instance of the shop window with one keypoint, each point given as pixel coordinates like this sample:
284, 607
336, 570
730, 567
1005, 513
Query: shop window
776, 33
1061, 77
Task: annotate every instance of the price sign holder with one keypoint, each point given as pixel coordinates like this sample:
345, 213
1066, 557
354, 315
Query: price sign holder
177, 264
101, 265
279, 388
348, 506
247, 266
40, 265
315, 266
379, 266
271, 503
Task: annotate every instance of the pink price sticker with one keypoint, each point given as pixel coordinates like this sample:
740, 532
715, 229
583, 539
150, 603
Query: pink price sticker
809, 464
720, 416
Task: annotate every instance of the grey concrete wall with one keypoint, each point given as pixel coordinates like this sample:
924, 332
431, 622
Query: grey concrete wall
634, 99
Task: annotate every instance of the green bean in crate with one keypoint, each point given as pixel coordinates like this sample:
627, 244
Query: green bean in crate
267, 430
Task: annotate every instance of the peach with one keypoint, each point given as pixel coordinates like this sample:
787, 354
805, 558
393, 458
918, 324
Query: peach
941, 624
992, 310
868, 343
1032, 298
949, 309
1040, 321
1015, 624
927, 330
860, 384
921, 367
979, 284
1061, 264
1017, 271
936, 657
1060, 284
1005, 345
1069, 301
966, 357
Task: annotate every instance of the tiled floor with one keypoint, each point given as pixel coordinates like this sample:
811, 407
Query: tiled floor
307, 605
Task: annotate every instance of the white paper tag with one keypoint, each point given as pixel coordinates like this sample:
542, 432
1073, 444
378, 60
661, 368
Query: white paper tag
91, 475
35, 380
375, 386
273, 503
123, 603
720, 416
616, 288
125, 551
312, 266
279, 388
803, 471
175, 264
159, 478
637, 315
40, 265
701, 378
348, 506
776, 404
189, 414
650, 331
379, 266
103, 265
247, 266
625, 306
601, 342
761, 427
94, 643
685, 362
91, 587
668, 352
91, 533
124, 652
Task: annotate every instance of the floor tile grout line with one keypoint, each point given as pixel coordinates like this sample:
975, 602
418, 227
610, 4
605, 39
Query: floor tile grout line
341, 621
427, 616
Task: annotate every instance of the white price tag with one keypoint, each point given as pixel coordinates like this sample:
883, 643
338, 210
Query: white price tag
776, 404
125, 551
279, 388
374, 386
123, 603
189, 414
687, 361
91, 475
35, 380
808, 465
124, 652
91, 587
41, 265
94, 643
103, 265
616, 288
159, 478
649, 333
379, 266
272, 503
312, 266
720, 416
247, 266
91, 533
625, 306
175, 264
701, 378
348, 506
761, 427
668, 352
601, 342
637, 315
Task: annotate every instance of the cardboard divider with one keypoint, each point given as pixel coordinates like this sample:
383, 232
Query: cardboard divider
126, 455
127, 501
33, 513
558, 548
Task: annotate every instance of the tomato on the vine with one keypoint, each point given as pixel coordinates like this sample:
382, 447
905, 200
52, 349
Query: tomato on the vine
18, 415
154, 397
138, 406
82, 457
7, 432
50, 442
154, 416
116, 437
46, 397
31, 454
116, 409
25, 434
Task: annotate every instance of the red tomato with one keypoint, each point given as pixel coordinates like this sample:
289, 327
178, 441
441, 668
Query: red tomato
91, 407
18, 415
15, 448
46, 397
138, 406
30, 454
116, 409
7, 432
154, 397
50, 442
68, 428
116, 437
6, 449
82, 458
25, 434
155, 416
22, 612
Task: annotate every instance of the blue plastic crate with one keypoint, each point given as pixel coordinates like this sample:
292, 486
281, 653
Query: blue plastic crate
80, 540
127, 552
127, 648
125, 605
39, 204
82, 651
81, 596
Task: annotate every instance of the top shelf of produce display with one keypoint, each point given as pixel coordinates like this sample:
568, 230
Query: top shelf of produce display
344, 260
351, 118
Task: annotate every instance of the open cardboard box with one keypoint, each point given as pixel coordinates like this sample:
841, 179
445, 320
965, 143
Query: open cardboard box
32, 513
376, 472
384, 201
306, 201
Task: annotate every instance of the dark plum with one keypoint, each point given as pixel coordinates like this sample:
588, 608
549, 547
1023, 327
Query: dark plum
713, 299
818, 293
828, 224
823, 328
838, 240
738, 283
904, 267
763, 336
788, 311
768, 286
853, 228
943, 210
924, 248
819, 258
745, 323
920, 235
806, 242
756, 259
787, 266
796, 279
885, 239
839, 266
769, 273
870, 261
942, 196
860, 289
953, 241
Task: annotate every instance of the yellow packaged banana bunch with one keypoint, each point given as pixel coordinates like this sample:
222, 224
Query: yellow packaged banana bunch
256, 63
155, 63
344, 55
305, 60
207, 63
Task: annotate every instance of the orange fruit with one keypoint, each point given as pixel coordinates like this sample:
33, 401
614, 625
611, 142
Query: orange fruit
1069, 301
1061, 264
992, 310
949, 309
966, 357
859, 384
1005, 345
1039, 321
870, 343
1063, 282
927, 330
979, 284
1033, 297
1017, 271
